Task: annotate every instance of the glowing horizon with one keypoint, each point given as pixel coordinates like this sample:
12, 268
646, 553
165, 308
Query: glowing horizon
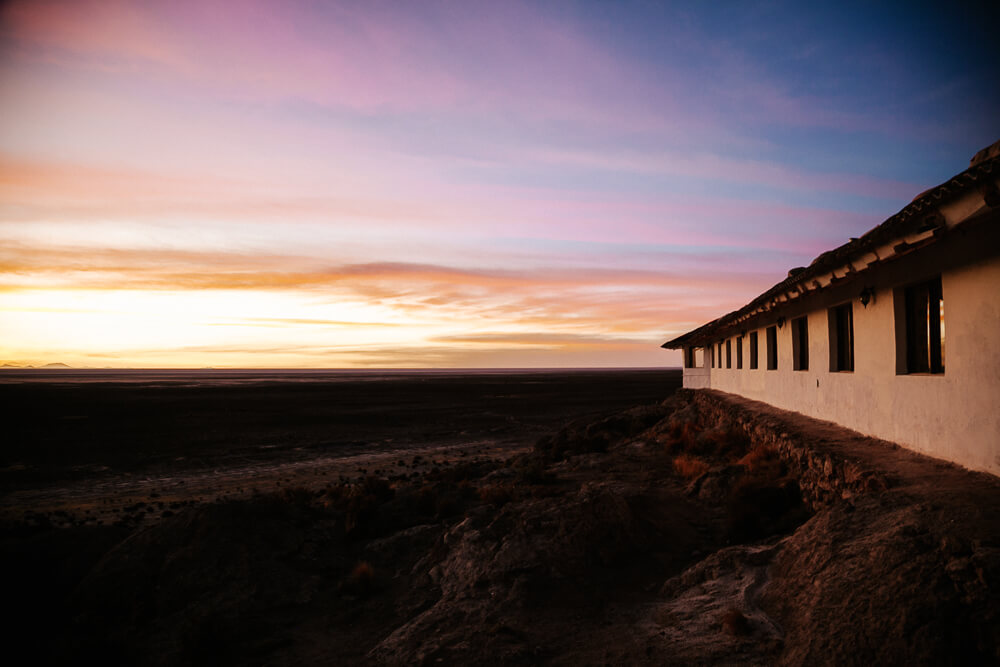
369, 185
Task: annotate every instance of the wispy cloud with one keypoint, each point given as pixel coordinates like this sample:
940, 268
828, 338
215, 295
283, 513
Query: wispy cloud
445, 183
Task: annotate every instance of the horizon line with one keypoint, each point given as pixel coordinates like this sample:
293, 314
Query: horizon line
10, 368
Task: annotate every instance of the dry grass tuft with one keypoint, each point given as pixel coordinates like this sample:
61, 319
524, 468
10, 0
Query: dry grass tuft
722, 441
689, 467
681, 436
760, 459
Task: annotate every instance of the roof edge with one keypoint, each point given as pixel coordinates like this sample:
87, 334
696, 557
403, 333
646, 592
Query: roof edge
979, 174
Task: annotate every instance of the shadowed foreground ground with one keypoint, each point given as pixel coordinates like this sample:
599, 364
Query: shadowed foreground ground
656, 535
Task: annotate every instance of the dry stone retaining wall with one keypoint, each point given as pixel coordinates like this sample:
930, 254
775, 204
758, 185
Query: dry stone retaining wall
824, 474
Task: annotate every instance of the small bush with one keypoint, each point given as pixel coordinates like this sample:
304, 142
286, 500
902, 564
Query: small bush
579, 438
439, 499
466, 490
456, 474
764, 461
760, 507
426, 500
359, 503
723, 440
681, 436
497, 495
735, 623
297, 495
689, 467
361, 580
378, 487
532, 470
448, 503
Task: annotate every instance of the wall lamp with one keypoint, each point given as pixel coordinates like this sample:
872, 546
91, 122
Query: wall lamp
866, 296
781, 322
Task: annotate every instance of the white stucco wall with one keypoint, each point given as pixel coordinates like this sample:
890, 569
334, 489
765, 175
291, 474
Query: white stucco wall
697, 378
954, 415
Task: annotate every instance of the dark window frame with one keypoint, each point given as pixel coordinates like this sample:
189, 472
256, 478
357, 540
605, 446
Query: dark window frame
841, 325
924, 337
729, 353
753, 351
800, 344
771, 343
739, 352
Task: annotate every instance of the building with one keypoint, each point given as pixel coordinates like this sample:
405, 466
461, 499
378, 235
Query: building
895, 334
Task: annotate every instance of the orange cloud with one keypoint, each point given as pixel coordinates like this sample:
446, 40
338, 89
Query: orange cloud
443, 315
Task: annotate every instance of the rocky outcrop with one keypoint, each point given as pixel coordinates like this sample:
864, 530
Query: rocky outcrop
898, 565
530, 563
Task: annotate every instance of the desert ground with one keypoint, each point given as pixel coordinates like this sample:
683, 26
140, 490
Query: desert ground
653, 534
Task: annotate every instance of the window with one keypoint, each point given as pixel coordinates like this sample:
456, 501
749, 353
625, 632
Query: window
719, 350
753, 350
711, 353
729, 353
739, 352
772, 348
800, 344
688, 357
924, 305
841, 320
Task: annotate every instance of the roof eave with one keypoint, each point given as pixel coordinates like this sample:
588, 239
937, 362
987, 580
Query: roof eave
921, 216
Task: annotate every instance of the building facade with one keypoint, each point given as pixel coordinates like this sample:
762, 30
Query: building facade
895, 334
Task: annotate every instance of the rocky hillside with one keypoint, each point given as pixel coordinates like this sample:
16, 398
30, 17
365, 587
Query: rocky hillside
696, 531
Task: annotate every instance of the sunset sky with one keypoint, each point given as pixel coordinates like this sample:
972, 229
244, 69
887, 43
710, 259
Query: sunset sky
451, 184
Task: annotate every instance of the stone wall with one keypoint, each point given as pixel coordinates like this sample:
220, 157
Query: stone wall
826, 469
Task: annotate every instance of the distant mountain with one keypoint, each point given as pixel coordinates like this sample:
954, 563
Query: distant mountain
55, 365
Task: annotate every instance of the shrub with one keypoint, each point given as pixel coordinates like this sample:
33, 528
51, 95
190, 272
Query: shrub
470, 470
448, 503
689, 467
466, 490
497, 495
681, 436
759, 507
764, 461
359, 502
361, 580
426, 500
532, 470
722, 440
580, 438
378, 487
735, 623
297, 495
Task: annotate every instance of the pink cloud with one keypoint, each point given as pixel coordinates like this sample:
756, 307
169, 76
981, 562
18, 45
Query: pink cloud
362, 57
115, 29
48, 191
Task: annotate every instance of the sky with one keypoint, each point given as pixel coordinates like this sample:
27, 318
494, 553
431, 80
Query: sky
293, 184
